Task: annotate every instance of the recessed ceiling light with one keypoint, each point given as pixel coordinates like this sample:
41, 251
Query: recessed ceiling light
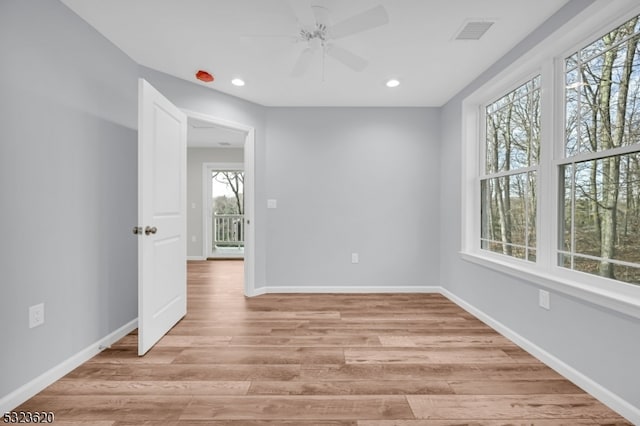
393, 83
237, 82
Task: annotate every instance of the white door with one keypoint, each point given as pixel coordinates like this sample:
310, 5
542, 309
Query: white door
162, 273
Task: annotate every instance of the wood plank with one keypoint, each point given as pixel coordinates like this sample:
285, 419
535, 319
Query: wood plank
578, 406
475, 422
261, 355
86, 423
187, 372
425, 356
138, 408
148, 387
514, 387
427, 372
298, 407
492, 340
356, 387
306, 341
279, 422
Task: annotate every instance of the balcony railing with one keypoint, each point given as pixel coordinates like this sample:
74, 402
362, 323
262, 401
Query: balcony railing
228, 230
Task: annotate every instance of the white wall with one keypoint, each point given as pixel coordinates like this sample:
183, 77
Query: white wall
349, 180
196, 157
68, 172
598, 343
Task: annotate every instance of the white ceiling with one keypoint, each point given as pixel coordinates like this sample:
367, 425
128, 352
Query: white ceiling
417, 46
203, 134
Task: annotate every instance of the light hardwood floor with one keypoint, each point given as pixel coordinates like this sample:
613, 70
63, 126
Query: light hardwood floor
321, 359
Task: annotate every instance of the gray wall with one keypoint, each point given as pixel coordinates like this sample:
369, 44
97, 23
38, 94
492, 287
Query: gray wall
599, 343
353, 180
196, 157
68, 172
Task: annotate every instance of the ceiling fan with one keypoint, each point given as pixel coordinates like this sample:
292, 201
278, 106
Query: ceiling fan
319, 35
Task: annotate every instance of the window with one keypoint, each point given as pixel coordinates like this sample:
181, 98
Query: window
512, 149
600, 174
551, 176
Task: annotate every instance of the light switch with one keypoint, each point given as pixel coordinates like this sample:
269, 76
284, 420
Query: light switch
272, 204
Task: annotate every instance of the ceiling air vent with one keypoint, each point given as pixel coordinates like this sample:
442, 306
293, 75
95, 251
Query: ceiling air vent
473, 30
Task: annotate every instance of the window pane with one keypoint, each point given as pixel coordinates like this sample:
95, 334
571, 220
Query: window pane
513, 129
509, 215
602, 95
571, 62
601, 216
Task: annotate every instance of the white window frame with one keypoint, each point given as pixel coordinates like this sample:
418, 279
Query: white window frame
482, 152
546, 59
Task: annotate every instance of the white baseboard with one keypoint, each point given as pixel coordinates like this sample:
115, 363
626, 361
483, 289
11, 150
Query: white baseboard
257, 292
351, 289
196, 258
23, 393
610, 399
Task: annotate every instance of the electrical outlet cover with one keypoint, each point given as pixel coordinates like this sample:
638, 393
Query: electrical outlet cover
36, 315
544, 300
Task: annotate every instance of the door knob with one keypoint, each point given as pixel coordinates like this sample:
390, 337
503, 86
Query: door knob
150, 230
137, 230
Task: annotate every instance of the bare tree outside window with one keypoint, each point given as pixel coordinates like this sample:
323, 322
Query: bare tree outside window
228, 209
512, 148
234, 181
601, 173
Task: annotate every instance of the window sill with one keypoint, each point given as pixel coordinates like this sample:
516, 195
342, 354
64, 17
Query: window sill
621, 303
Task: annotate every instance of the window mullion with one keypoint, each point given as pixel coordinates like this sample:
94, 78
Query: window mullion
547, 190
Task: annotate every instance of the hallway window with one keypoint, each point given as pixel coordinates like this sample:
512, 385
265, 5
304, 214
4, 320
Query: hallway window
228, 211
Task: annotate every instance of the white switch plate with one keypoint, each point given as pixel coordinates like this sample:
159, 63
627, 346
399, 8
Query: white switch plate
544, 300
355, 258
194, 238
36, 315
272, 204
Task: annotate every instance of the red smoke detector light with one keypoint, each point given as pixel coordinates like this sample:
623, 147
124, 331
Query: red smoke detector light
204, 76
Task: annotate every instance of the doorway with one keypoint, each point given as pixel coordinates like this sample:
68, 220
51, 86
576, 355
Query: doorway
247, 143
223, 202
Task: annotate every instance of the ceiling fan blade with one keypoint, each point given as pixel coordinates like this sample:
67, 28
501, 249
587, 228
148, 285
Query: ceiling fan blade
350, 59
364, 21
303, 62
320, 14
268, 38
303, 12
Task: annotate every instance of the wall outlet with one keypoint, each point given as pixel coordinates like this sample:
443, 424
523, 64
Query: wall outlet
355, 258
36, 315
543, 299
272, 204
194, 238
